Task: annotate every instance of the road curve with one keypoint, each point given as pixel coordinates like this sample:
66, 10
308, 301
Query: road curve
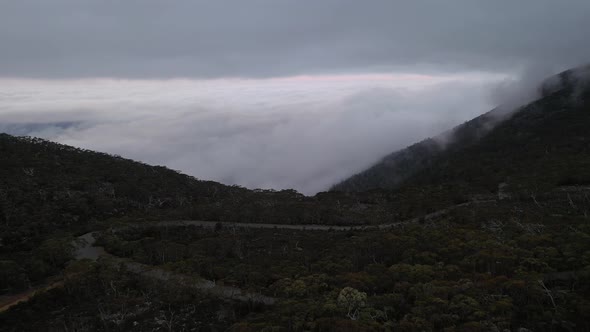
85, 249
301, 227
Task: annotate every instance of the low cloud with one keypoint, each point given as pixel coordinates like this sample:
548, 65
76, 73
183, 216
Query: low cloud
521, 89
305, 133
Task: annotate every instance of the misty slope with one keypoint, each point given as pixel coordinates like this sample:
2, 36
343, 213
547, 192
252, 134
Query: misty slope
494, 146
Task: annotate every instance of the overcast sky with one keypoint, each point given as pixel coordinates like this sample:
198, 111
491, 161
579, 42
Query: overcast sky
270, 93
255, 38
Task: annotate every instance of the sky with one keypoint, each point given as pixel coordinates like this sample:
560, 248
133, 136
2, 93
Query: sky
271, 93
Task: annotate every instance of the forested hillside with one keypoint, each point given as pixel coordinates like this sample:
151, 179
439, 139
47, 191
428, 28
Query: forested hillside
50, 192
556, 122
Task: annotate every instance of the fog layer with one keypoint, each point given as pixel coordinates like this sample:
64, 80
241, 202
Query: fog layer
305, 132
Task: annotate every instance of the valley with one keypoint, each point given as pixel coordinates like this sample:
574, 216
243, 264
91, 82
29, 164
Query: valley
489, 233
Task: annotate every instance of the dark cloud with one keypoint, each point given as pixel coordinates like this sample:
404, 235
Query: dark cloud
260, 38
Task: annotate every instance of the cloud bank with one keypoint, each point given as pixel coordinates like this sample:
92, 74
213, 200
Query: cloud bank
305, 132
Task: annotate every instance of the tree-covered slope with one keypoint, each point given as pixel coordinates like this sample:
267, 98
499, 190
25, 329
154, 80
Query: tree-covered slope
500, 142
46, 183
51, 192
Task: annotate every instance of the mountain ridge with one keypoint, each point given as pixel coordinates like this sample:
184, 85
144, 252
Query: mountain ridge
395, 168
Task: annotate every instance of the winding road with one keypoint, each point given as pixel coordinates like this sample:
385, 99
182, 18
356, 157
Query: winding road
85, 249
301, 227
